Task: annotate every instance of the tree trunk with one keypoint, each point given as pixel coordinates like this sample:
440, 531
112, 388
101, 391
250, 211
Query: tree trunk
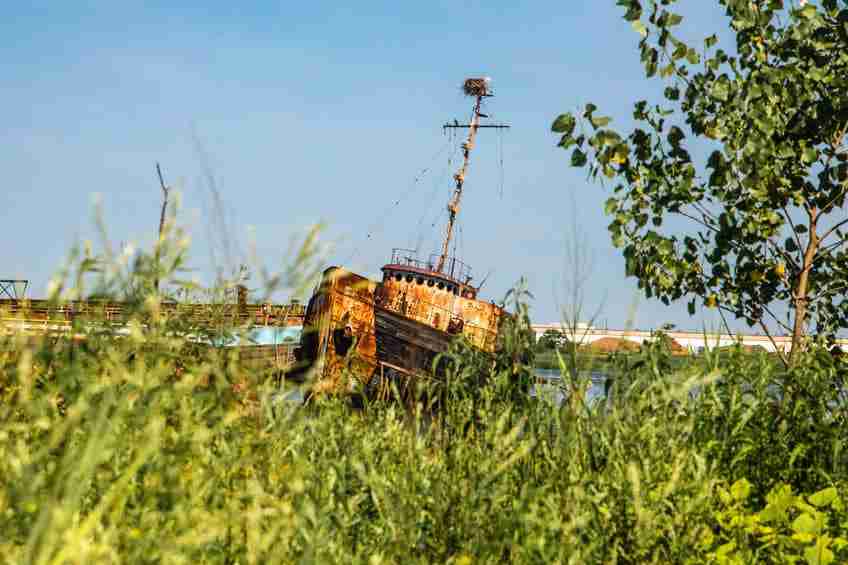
800, 297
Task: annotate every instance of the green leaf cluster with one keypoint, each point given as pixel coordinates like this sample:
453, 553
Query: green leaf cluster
747, 154
789, 529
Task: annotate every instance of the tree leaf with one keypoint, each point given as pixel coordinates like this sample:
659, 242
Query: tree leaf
600, 122
818, 554
824, 497
740, 489
808, 11
805, 524
790, 245
565, 123
672, 20
810, 154
566, 141
578, 158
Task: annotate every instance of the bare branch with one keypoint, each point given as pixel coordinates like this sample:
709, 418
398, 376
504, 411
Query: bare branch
792, 225
833, 229
775, 318
778, 350
828, 289
763, 325
828, 250
696, 220
165, 191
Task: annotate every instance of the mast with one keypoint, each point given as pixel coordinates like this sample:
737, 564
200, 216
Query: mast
477, 88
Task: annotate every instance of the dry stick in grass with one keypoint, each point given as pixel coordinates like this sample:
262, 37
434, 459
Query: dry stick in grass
165, 190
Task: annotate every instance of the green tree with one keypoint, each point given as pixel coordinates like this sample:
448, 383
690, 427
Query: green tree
762, 207
550, 340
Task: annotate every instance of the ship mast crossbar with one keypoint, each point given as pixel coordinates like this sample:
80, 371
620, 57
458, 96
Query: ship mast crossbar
477, 89
479, 126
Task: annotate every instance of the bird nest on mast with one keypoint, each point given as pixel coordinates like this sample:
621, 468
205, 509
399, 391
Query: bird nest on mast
476, 87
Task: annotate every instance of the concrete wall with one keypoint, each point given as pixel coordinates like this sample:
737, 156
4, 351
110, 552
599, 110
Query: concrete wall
690, 340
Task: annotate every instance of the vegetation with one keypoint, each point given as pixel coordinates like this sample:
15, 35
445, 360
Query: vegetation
146, 448
149, 444
748, 151
550, 340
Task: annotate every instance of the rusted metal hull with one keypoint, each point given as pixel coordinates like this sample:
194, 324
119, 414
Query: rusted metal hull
357, 330
339, 338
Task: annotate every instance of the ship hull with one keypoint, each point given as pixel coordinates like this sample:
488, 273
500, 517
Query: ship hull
363, 335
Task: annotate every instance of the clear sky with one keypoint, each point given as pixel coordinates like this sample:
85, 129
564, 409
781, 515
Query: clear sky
319, 111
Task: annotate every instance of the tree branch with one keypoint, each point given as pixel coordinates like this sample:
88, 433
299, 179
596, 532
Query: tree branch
792, 225
833, 229
165, 191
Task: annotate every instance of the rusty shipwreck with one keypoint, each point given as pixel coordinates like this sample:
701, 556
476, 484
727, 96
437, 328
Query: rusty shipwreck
391, 330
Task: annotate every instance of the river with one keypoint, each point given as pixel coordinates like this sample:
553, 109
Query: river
553, 385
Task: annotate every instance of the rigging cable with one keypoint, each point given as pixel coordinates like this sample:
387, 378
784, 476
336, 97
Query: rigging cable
436, 216
501, 161
425, 214
461, 239
380, 223
419, 230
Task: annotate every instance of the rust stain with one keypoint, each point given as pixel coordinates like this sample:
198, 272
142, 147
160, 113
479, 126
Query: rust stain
356, 329
402, 322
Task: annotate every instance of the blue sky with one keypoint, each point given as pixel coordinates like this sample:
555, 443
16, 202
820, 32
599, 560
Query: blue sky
319, 111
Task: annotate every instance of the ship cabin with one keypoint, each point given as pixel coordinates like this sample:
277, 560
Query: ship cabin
443, 299
454, 278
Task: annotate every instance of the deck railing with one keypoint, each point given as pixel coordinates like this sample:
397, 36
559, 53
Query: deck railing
453, 267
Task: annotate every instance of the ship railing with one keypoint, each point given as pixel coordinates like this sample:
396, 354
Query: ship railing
409, 258
453, 267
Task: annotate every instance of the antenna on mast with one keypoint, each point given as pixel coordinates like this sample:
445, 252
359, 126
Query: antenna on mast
477, 88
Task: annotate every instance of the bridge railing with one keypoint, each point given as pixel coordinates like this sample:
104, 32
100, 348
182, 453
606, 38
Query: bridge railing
256, 314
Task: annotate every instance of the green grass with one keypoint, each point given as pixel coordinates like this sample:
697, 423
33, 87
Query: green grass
150, 449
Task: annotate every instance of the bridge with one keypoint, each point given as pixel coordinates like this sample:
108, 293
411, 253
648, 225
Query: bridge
689, 340
274, 329
44, 315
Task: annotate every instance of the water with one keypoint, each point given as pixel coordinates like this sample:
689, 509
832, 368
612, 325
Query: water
265, 335
554, 385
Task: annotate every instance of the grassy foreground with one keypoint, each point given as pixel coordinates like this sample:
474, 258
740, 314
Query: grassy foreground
149, 449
